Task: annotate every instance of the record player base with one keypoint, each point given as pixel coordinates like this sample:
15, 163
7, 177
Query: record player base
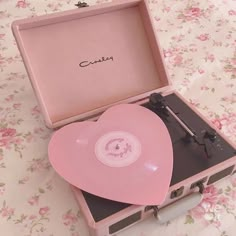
182, 194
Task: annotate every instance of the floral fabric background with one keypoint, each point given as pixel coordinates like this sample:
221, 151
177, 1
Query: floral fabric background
198, 39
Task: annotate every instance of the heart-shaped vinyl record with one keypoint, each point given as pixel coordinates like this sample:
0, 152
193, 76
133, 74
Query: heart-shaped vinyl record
125, 156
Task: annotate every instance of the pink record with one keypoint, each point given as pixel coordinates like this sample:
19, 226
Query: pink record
125, 156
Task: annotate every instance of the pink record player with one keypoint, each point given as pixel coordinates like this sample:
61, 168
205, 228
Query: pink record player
136, 148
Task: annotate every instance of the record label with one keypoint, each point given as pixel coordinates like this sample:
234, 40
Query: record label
117, 149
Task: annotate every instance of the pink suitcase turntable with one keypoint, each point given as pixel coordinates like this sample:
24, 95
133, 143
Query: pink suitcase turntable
136, 148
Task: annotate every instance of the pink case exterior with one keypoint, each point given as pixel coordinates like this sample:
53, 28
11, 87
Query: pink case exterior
101, 228
66, 93
118, 66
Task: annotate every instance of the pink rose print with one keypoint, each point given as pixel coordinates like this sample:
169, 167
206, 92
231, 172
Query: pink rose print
201, 71
2, 36
203, 37
21, 4
32, 217
233, 60
69, 218
223, 200
216, 123
168, 53
37, 223
194, 11
6, 211
7, 136
227, 123
204, 87
43, 211
210, 57
232, 13
34, 200
39, 164
157, 18
177, 60
210, 195
35, 111
174, 56
191, 13
166, 9
7, 132
17, 106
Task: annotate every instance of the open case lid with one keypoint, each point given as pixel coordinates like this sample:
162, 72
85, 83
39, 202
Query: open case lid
82, 61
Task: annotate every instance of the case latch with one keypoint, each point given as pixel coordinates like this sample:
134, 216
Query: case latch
81, 4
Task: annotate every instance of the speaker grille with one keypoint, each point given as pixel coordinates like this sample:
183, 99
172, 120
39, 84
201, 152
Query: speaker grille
220, 175
125, 222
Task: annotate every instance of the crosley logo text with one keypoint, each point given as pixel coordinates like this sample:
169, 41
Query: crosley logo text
87, 63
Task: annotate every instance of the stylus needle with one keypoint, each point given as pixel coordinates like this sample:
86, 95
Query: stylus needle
158, 101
